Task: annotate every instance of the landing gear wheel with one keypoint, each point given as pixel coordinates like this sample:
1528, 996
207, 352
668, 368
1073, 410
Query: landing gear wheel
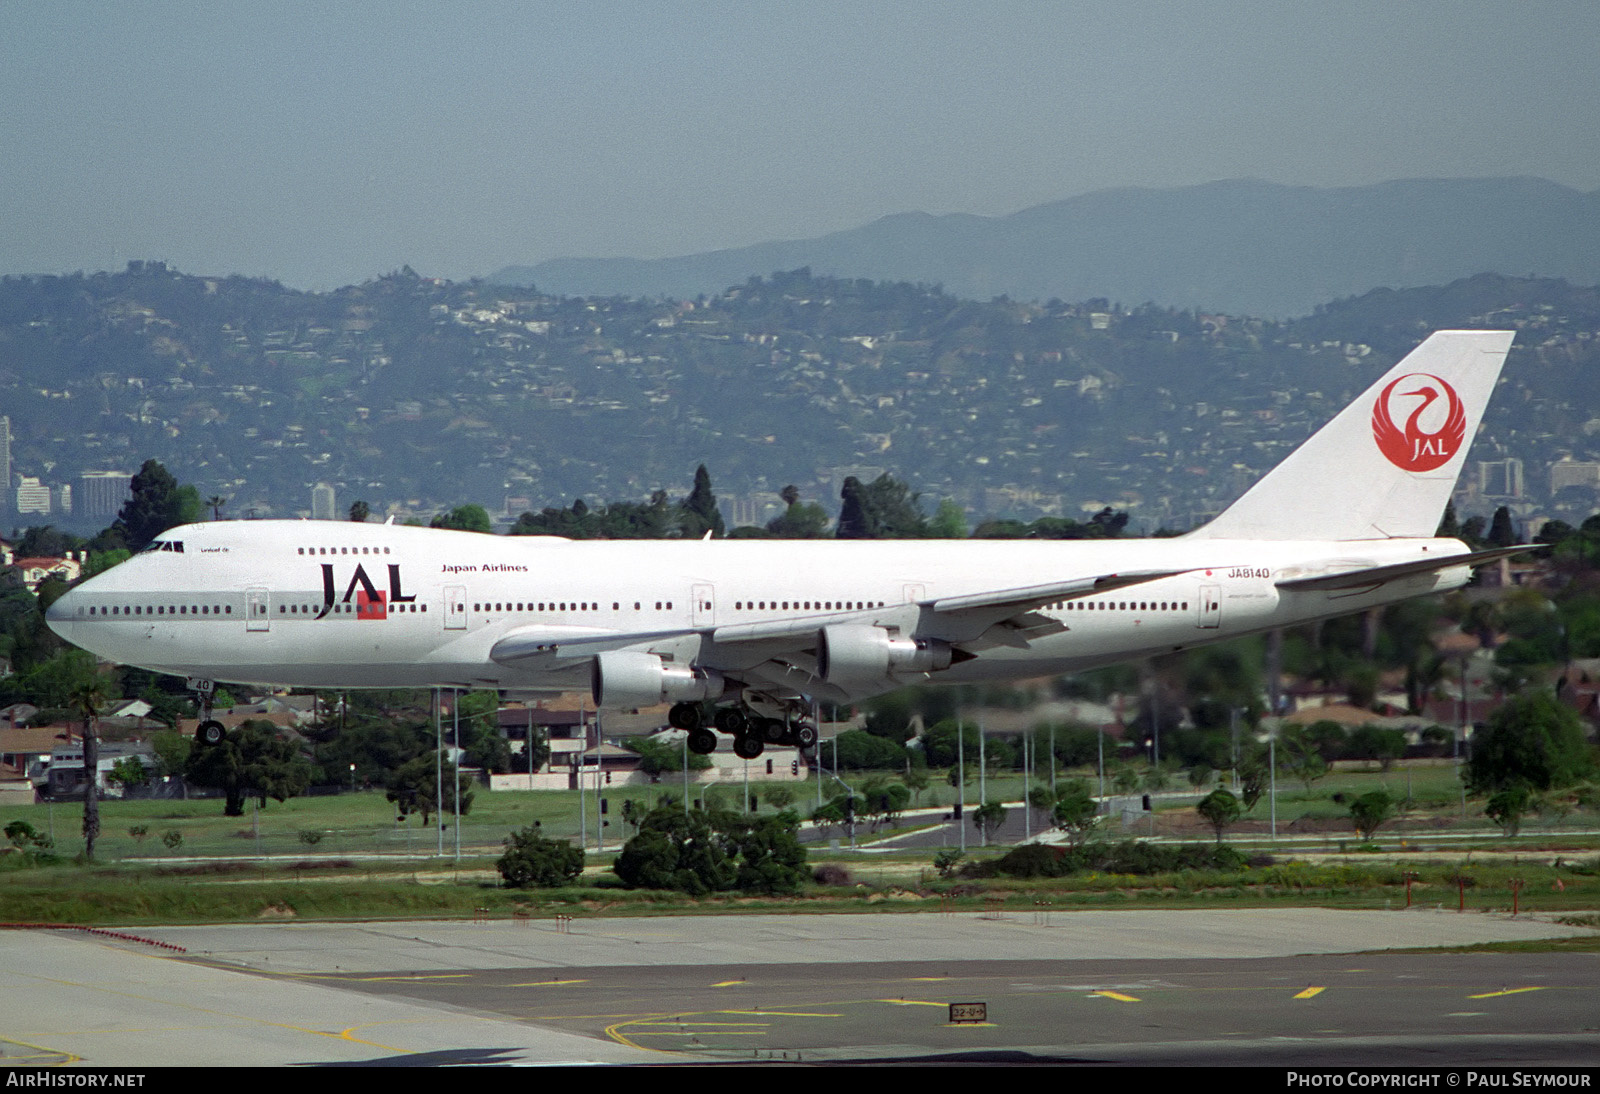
685, 716
748, 747
730, 720
702, 742
773, 731
210, 733
805, 736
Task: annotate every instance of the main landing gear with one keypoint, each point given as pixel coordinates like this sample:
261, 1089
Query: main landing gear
751, 732
209, 732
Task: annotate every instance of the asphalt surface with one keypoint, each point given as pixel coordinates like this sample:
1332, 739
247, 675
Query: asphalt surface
1272, 986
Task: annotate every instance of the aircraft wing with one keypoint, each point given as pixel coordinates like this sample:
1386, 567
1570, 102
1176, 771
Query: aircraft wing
1363, 577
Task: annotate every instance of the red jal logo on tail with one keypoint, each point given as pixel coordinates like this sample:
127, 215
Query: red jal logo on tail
1410, 447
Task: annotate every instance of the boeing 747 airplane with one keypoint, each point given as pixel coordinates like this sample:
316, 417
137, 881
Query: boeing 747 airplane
750, 632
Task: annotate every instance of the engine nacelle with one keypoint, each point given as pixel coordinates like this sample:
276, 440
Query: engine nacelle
850, 654
624, 679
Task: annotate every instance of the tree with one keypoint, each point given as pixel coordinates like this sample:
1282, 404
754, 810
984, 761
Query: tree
1301, 757
826, 817
771, 858
947, 862
1220, 809
885, 508
1381, 746
1253, 779
359, 512
1370, 811
252, 761
949, 521
99, 562
988, 817
172, 751
531, 861
698, 513
674, 851
128, 773
215, 503
1533, 740
801, 520
87, 689
883, 801
34, 846
1501, 531
157, 503
45, 541
465, 518
1507, 808
414, 788
480, 739
917, 780
939, 744
1076, 811
659, 757
859, 750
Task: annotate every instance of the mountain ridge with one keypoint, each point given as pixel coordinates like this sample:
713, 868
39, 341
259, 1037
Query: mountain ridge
1234, 246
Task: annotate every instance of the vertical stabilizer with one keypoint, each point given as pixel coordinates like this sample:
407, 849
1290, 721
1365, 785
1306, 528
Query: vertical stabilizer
1386, 466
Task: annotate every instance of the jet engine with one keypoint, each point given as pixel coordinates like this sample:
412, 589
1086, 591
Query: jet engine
624, 679
850, 655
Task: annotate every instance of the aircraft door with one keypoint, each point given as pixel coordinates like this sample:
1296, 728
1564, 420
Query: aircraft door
455, 607
704, 600
257, 610
1210, 606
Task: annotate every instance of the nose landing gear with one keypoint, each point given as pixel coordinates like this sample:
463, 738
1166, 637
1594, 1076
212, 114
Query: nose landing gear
209, 732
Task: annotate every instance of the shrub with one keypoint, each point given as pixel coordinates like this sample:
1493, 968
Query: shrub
531, 861
713, 852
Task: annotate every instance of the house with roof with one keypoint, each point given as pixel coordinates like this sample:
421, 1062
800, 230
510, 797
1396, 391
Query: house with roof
35, 571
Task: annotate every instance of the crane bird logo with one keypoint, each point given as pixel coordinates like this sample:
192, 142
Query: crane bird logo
1412, 447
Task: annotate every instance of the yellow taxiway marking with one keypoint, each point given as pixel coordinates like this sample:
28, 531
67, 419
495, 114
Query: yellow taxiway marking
1310, 993
682, 1025
927, 979
547, 983
786, 1013
234, 1016
913, 1003
1504, 991
419, 976
614, 1032
1117, 995
729, 983
46, 1056
697, 1031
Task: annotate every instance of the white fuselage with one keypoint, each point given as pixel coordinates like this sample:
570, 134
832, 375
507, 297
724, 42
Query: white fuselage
330, 604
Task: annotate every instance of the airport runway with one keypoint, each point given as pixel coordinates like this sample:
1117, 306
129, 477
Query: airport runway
1272, 986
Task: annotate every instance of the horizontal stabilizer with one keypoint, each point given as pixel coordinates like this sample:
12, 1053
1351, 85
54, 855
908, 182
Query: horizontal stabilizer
1377, 575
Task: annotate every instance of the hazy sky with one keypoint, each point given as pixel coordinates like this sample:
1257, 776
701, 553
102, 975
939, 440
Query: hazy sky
326, 143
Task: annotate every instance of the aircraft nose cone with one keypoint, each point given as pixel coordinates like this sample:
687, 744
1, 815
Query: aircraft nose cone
62, 612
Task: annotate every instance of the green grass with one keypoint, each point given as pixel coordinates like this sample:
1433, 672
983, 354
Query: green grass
235, 891
367, 866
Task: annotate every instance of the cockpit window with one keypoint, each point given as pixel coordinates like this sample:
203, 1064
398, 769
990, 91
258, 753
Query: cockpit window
164, 545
